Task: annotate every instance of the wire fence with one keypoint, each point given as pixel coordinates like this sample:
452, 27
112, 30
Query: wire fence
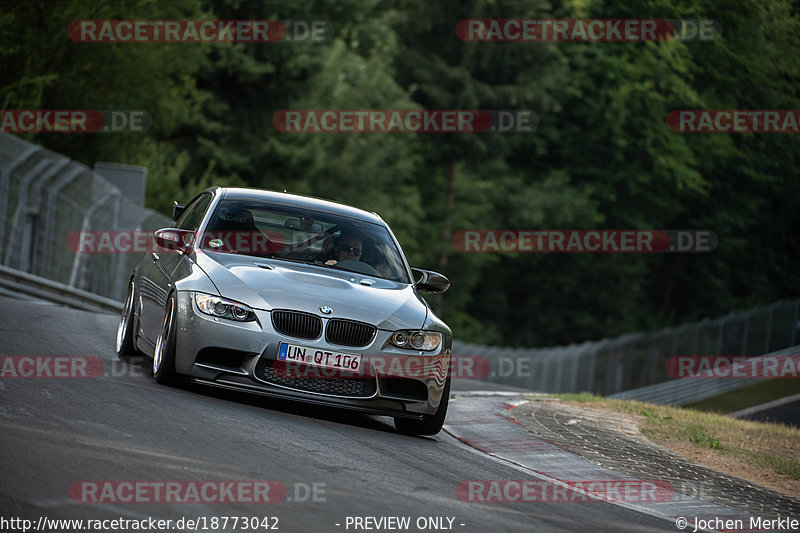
610, 366
44, 197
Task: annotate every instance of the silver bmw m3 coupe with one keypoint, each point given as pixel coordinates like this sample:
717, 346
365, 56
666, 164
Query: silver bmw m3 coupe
293, 297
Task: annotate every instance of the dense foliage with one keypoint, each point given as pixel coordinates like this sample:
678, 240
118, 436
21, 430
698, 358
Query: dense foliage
602, 156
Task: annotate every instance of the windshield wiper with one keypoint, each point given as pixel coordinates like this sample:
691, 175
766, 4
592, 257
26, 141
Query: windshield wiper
293, 260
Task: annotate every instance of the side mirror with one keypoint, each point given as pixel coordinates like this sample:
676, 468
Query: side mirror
431, 281
177, 209
174, 239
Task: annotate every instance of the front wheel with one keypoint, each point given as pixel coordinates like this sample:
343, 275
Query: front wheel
164, 355
430, 424
125, 343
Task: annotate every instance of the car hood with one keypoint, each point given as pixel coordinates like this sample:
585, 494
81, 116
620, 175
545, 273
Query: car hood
275, 284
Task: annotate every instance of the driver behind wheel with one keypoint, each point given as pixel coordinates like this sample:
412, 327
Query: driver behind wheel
346, 247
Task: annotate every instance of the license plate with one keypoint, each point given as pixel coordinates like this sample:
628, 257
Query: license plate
319, 358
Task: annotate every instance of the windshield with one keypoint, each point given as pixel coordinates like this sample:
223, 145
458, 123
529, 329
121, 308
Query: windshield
256, 228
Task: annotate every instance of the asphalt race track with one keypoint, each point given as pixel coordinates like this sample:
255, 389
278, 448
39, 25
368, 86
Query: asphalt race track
57, 433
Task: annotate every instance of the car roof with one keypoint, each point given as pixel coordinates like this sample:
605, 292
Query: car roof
297, 200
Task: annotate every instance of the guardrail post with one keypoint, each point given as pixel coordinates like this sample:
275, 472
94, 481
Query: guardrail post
744, 335
559, 371
769, 328
120, 266
20, 230
652, 364
573, 377
51, 208
5, 179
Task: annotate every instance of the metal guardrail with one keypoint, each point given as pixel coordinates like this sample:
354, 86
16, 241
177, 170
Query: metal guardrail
44, 197
693, 389
750, 411
14, 281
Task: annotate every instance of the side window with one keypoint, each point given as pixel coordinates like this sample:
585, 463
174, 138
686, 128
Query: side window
193, 215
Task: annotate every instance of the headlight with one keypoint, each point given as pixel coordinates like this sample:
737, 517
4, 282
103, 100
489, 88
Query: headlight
416, 340
216, 306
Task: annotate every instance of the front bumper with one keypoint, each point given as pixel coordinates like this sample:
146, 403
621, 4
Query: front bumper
239, 355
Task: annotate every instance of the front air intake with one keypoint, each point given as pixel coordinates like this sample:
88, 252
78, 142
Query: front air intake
349, 332
297, 324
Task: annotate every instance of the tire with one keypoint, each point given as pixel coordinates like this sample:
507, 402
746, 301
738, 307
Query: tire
126, 349
430, 424
164, 353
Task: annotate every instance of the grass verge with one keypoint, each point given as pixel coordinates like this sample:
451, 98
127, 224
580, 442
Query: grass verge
726, 444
